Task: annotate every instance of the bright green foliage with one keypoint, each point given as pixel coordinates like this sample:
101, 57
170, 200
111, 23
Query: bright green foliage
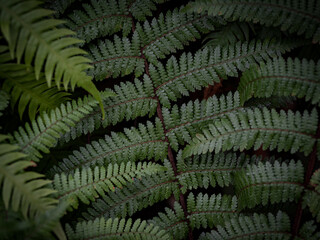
25, 91
258, 226
170, 32
209, 211
116, 229
255, 128
291, 77
312, 196
44, 132
265, 182
208, 170
228, 34
136, 196
87, 184
144, 142
183, 123
115, 58
294, 16
48, 46
210, 65
173, 221
22, 190
132, 100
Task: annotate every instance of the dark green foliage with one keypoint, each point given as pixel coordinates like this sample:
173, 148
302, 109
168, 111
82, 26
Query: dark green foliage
290, 77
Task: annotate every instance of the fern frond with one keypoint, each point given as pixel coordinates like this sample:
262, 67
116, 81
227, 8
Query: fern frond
183, 123
21, 190
132, 100
312, 196
209, 211
99, 19
258, 226
291, 77
116, 58
4, 101
140, 9
116, 229
210, 65
309, 231
26, 91
30, 32
205, 170
135, 196
255, 128
171, 32
173, 221
87, 184
301, 17
59, 6
145, 142
44, 132
228, 34
266, 182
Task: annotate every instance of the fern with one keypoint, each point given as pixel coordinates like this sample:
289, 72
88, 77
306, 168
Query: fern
87, 184
25, 91
51, 49
290, 77
4, 101
265, 182
311, 198
292, 16
256, 128
45, 131
22, 190
145, 142
255, 227
116, 229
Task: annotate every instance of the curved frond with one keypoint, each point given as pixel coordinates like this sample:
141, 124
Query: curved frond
208, 170
22, 190
209, 211
136, 196
295, 16
208, 66
132, 100
87, 184
312, 197
253, 227
173, 221
255, 128
119, 57
168, 33
145, 142
184, 122
116, 229
269, 183
31, 33
291, 77
44, 132
26, 91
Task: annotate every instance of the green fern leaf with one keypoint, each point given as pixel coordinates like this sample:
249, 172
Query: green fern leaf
47, 46
44, 132
116, 229
280, 77
312, 196
254, 227
4, 101
256, 128
266, 182
301, 17
88, 184
144, 142
21, 190
26, 91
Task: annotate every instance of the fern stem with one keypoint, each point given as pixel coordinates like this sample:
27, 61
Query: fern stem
170, 153
311, 163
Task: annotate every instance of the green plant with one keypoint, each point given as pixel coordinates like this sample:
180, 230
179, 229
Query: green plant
211, 141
